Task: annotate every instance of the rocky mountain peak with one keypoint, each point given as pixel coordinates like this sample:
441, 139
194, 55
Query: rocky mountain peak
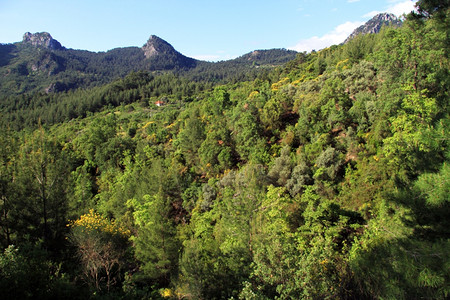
42, 39
254, 55
155, 46
375, 24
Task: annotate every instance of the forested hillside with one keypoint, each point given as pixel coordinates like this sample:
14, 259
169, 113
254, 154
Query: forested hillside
40, 64
327, 178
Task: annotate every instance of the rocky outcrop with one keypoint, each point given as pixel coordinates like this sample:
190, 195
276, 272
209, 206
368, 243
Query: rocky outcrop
42, 39
375, 24
160, 55
156, 45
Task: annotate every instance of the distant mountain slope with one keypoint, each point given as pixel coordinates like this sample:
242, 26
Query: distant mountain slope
266, 57
245, 67
375, 24
41, 63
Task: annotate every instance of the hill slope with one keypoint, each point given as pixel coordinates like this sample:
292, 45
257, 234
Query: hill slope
324, 179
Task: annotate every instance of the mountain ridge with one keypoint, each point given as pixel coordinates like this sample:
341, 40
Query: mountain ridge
375, 24
40, 63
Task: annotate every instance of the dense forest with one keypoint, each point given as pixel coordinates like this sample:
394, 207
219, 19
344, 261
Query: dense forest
326, 178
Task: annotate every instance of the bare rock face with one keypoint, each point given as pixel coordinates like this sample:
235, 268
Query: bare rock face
375, 24
255, 55
156, 46
42, 39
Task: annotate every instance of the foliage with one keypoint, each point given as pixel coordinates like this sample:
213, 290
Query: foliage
324, 179
156, 244
28, 273
101, 245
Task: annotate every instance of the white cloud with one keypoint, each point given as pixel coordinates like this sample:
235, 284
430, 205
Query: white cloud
336, 36
397, 7
401, 8
371, 14
352, 1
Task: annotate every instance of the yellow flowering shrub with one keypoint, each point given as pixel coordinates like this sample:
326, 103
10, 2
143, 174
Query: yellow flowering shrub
277, 85
342, 65
93, 221
166, 293
253, 94
147, 124
101, 245
301, 79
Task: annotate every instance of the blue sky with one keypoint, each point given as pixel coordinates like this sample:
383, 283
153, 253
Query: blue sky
208, 30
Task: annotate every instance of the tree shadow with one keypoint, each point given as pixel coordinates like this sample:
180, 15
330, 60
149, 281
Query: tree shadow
6, 55
407, 258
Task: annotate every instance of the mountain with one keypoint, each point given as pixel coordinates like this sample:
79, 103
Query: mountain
162, 56
40, 63
375, 24
272, 56
43, 39
156, 46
